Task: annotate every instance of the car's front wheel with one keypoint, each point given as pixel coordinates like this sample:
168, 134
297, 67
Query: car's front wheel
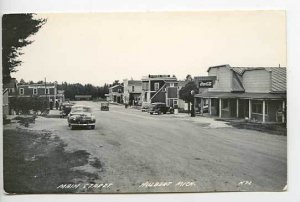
93, 127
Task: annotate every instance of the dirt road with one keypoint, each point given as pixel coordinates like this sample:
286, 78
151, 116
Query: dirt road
140, 152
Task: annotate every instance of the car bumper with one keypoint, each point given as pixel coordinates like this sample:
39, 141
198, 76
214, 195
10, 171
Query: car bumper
82, 124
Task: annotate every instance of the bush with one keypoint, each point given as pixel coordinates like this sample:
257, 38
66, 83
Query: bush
26, 105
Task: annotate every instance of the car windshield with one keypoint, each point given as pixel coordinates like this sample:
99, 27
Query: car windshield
81, 109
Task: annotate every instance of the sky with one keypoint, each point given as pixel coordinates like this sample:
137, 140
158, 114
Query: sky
99, 48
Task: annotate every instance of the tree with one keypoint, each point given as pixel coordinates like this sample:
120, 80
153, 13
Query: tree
16, 28
22, 81
116, 82
185, 93
188, 77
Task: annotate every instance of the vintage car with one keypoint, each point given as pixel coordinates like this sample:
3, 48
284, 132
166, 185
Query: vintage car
65, 109
159, 108
104, 106
145, 107
81, 115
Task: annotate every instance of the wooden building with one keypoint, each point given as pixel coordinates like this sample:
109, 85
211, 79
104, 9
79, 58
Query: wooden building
254, 93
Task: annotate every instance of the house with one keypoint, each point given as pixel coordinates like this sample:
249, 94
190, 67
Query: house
9, 90
115, 94
160, 88
46, 90
132, 92
253, 93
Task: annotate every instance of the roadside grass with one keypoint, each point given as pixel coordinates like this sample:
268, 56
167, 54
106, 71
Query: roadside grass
37, 162
275, 129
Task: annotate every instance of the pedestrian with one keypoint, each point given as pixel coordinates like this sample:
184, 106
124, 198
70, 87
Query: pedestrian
56, 105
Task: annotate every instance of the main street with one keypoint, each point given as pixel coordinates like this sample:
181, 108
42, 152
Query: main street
137, 149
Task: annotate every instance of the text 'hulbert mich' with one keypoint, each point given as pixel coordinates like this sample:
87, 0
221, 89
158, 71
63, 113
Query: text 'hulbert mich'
167, 184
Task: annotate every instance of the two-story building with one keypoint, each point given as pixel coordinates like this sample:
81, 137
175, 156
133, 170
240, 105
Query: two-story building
115, 94
45, 90
132, 92
254, 93
160, 88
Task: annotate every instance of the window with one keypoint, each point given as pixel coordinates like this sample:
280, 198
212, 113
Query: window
171, 84
156, 86
119, 90
257, 107
145, 86
225, 104
11, 90
132, 88
175, 102
34, 91
47, 91
21, 91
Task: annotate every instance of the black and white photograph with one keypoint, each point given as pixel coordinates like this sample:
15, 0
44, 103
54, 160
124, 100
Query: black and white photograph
145, 102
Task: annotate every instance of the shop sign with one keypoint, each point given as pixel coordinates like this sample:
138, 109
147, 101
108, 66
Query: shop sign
206, 84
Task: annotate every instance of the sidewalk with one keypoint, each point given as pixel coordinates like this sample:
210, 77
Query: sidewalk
208, 122
54, 114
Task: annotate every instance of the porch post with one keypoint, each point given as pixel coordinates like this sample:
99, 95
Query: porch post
237, 108
250, 110
209, 106
220, 107
264, 113
202, 105
283, 111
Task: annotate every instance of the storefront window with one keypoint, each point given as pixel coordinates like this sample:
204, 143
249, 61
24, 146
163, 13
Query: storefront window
257, 107
225, 104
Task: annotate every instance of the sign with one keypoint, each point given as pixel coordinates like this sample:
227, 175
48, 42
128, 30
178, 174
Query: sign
206, 84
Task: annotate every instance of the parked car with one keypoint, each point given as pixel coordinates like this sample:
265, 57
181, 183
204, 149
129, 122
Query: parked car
205, 109
145, 107
81, 115
159, 107
65, 109
104, 106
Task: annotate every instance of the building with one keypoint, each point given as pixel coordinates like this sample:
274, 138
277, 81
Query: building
253, 93
132, 92
9, 90
83, 97
46, 90
160, 88
115, 94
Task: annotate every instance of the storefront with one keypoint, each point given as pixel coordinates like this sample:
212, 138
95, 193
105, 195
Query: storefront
261, 107
256, 94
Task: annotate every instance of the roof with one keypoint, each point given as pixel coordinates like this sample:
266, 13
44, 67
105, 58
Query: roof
278, 76
116, 86
37, 84
134, 82
242, 95
83, 95
159, 77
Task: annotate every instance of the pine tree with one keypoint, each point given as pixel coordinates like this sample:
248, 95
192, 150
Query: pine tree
16, 28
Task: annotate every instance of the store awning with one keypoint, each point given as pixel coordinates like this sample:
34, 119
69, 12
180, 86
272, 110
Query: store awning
228, 95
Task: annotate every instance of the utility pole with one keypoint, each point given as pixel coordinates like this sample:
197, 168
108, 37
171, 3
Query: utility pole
46, 93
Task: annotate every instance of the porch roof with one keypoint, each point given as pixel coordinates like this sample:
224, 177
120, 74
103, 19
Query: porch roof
242, 95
